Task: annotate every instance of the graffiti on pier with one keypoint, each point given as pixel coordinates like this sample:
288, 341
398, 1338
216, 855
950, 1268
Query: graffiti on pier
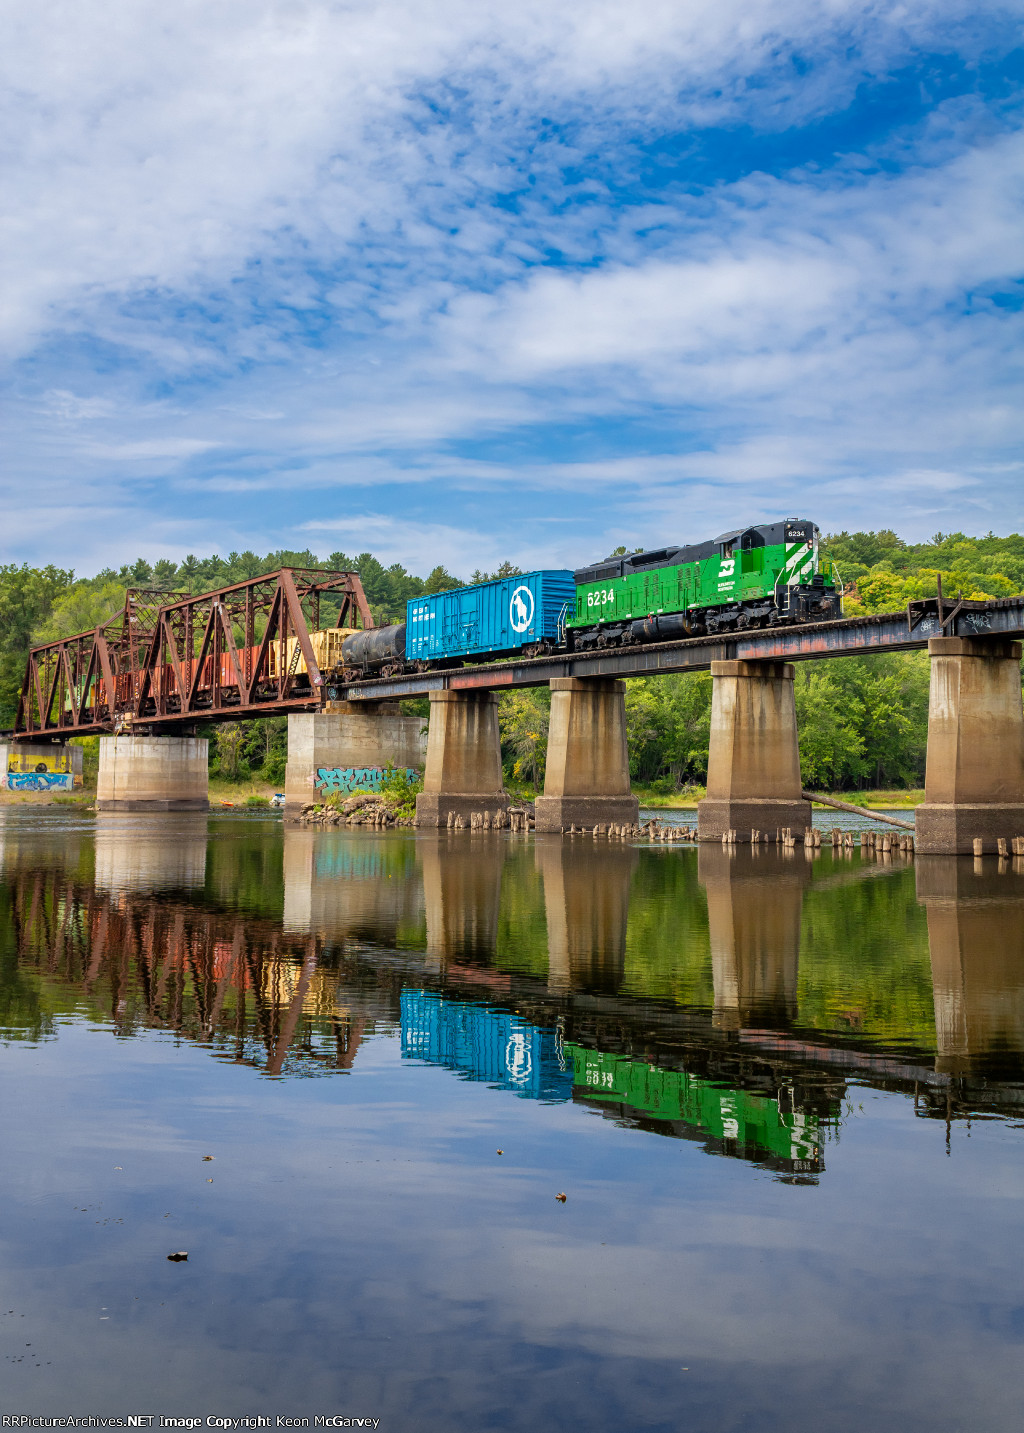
53, 767
40, 781
355, 778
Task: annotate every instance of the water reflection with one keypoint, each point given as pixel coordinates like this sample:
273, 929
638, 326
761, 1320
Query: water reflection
482, 1043
461, 895
976, 944
782, 1130
586, 901
338, 887
755, 901
136, 855
725, 996
351, 1024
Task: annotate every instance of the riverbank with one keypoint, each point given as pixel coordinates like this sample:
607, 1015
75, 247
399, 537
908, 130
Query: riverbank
875, 800
242, 793
222, 793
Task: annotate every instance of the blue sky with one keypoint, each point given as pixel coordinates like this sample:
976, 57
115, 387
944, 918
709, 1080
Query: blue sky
465, 282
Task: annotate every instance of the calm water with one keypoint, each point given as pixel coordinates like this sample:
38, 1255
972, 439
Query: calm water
783, 1098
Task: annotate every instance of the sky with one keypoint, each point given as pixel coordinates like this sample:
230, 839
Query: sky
466, 281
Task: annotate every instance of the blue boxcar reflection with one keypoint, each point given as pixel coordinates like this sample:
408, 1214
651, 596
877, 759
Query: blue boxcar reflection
485, 1044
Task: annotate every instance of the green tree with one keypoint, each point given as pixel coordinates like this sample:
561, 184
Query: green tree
165, 573
505, 569
228, 746
829, 721
188, 573
668, 725
82, 607
136, 574
523, 718
441, 580
27, 595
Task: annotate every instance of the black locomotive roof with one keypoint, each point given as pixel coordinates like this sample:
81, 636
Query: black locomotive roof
625, 564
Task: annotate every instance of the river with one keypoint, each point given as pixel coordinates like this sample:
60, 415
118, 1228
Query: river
351, 1075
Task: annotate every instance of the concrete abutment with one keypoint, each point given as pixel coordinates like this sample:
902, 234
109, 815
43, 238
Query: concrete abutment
753, 759
347, 737
40, 766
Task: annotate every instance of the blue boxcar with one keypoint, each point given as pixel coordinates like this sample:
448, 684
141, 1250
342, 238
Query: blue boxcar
482, 1043
490, 617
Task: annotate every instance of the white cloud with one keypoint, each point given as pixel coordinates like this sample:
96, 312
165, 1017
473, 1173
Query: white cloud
151, 148
254, 255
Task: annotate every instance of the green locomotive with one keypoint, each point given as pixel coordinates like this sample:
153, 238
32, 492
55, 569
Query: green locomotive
753, 577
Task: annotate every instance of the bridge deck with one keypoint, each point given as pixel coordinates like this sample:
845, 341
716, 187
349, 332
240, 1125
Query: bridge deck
848, 637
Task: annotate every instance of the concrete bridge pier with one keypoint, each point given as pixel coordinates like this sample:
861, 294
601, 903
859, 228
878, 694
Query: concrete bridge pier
753, 758
328, 748
755, 900
974, 775
153, 773
586, 780
463, 771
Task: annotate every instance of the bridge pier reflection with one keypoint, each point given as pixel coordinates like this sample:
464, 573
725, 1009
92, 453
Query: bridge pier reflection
976, 944
461, 894
755, 900
342, 884
138, 855
586, 897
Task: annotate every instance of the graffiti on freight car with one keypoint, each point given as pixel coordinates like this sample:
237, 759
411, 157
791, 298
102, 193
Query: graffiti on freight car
354, 778
40, 781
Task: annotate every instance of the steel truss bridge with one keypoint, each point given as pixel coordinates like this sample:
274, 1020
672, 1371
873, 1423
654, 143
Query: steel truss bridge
170, 660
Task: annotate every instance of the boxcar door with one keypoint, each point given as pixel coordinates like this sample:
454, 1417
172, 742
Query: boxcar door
451, 626
469, 618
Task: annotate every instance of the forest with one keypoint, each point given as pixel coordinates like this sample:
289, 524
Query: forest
863, 721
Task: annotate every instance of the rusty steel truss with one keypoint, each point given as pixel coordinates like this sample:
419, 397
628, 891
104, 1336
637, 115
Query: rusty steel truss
169, 659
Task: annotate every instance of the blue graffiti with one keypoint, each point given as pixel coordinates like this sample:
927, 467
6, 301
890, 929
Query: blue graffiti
40, 780
354, 778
